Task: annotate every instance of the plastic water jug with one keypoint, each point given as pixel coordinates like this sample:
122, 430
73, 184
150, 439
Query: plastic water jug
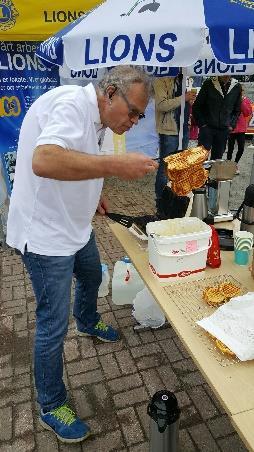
104, 287
126, 282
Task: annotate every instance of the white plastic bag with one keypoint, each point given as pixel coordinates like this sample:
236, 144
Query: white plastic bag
146, 311
126, 282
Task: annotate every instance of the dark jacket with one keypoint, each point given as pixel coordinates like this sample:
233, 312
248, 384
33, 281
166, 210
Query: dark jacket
214, 109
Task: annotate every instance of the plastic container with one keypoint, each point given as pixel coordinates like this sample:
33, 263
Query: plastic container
146, 310
104, 287
178, 248
126, 282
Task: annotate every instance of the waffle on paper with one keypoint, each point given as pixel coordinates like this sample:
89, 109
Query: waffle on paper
185, 170
221, 346
218, 295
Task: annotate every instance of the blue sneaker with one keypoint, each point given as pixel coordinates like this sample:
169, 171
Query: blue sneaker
104, 332
65, 424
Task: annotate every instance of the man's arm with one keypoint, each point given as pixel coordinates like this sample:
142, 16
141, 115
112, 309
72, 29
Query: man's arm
55, 162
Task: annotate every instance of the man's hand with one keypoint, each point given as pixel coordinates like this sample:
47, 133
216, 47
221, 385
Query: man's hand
134, 166
103, 205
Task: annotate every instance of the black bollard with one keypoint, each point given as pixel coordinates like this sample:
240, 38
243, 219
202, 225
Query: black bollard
164, 422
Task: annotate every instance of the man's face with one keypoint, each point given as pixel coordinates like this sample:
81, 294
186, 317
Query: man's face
225, 79
125, 110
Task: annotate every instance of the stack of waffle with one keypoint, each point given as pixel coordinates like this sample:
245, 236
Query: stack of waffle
186, 171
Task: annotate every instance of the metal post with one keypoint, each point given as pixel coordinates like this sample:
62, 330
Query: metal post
164, 423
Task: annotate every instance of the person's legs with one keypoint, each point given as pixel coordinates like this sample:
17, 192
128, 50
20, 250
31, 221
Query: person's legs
87, 269
219, 143
168, 144
240, 137
51, 278
231, 145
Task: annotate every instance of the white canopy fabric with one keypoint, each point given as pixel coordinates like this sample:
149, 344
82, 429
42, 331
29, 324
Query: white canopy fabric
154, 33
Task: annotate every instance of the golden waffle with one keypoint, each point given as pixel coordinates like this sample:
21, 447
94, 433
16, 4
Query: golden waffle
185, 170
213, 296
220, 294
223, 348
184, 159
230, 290
188, 180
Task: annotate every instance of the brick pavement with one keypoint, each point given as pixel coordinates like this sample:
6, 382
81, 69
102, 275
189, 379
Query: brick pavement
109, 384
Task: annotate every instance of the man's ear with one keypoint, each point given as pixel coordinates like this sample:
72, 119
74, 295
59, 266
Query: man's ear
111, 91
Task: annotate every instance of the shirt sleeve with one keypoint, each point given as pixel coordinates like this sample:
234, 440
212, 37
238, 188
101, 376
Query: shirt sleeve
64, 125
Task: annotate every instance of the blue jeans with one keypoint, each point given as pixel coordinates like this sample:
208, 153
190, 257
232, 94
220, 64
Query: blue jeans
51, 278
168, 144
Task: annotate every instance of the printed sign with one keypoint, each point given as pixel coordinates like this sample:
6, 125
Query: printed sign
23, 78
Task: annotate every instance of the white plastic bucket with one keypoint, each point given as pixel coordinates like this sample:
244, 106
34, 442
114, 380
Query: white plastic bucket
179, 254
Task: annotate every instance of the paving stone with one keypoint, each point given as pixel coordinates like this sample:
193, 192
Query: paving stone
180, 346
6, 424
146, 362
185, 442
171, 350
184, 366
232, 444
144, 418
46, 442
169, 378
76, 447
164, 333
87, 378
18, 291
107, 347
110, 366
189, 416
203, 438
71, 351
6, 369
193, 379
130, 426
126, 362
144, 350
126, 321
87, 346
124, 383
146, 336
182, 399
83, 406
140, 448
130, 397
131, 337
23, 418
213, 398
84, 365
121, 313
25, 444
152, 381
202, 402
20, 322
110, 442
220, 426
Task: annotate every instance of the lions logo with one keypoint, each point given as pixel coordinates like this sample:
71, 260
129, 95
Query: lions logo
245, 3
8, 14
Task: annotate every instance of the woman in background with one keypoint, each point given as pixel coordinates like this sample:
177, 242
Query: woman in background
238, 134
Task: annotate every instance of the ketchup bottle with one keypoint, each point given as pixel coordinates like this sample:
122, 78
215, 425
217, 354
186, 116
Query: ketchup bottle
213, 255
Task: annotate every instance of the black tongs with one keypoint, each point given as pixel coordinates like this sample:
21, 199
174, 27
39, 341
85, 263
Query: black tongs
136, 225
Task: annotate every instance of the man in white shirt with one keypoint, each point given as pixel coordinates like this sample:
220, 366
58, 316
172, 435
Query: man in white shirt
57, 189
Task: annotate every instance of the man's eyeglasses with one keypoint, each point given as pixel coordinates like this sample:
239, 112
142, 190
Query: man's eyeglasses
133, 112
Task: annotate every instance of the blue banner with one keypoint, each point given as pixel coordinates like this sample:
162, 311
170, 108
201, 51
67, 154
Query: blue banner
230, 24
23, 78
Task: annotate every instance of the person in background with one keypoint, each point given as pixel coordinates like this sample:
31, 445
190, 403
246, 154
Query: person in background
167, 91
238, 134
57, 189
216, 110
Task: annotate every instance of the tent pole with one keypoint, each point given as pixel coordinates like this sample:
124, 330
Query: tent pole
184, 79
